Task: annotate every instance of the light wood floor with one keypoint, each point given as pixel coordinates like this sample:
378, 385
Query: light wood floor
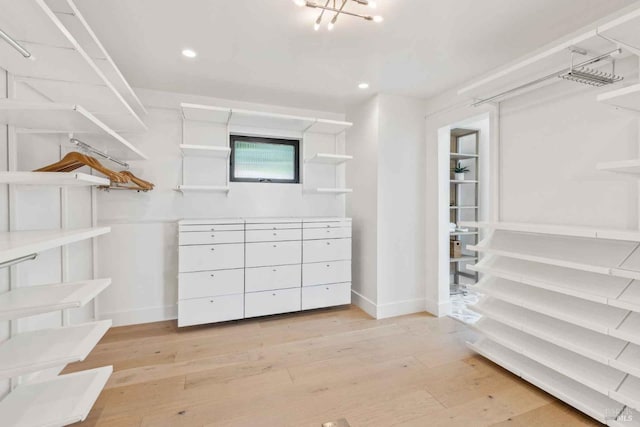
308, 368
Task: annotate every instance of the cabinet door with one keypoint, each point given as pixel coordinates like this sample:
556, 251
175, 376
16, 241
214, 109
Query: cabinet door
326, 250
210, 283
210, 310
327, 233
274, 277
275, 253
254, 236
272, 302
211, 237
211, 257
322, 273
326, 295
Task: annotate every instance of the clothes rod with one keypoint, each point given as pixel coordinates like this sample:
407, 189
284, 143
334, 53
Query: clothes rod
547, 77
97, 152
18, 260
24, 52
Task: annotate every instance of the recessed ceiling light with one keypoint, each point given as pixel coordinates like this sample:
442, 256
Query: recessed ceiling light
363, 85
189, 53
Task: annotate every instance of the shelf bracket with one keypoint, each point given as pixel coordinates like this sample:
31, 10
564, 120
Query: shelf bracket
18, 260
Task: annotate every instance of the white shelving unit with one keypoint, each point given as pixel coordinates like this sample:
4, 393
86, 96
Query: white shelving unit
64, 400
463, 259
49, 348
628, 167
205, 151
56, 179
627, 97
334, 190
564, 298
32, 300
42, 117
462, 156
465, 181
70, 63
203, 189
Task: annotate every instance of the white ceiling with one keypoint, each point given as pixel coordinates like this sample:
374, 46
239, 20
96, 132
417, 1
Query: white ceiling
267, 51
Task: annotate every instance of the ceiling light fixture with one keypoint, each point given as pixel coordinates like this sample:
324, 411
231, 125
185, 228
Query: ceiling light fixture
338, 7
189, 53
363, 85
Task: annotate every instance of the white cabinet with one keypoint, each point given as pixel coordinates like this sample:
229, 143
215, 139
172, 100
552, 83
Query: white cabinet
234, 269
272, 302
273, 253
326, 295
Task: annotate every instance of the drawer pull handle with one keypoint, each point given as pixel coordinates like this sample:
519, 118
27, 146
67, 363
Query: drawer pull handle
213, 249
328, 265
275, 269
275, 246
210, 300
273, 295
213, 229
213, 275
213, 235
328, 243
327, 288
275, 234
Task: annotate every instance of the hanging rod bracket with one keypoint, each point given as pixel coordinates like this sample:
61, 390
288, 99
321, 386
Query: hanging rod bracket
18, 260
89, 148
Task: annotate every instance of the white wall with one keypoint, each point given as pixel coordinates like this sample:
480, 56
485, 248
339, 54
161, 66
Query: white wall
140, 254
387, 176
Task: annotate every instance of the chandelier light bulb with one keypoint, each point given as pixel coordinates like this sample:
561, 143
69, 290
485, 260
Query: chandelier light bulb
330, 26
300, 2
378, 18
316, 25
373, 4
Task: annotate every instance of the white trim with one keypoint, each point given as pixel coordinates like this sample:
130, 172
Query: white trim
144, 315
364, 303
401, 308
438, 309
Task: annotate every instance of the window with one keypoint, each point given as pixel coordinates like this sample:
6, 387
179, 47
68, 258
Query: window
255, 159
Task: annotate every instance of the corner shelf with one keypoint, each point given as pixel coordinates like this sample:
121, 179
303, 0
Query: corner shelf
63, 400
329, 159
16, 244
205, 151
202, 189
564, 388
32, 300
43, 117
627, 98
58, 179
48, 348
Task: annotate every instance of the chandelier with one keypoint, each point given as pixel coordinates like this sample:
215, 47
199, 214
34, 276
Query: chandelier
337, 8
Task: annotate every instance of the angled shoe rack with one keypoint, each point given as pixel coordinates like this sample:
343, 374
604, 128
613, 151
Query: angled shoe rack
561, 309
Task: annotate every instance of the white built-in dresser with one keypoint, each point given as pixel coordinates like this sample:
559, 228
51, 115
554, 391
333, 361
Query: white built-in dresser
239, 268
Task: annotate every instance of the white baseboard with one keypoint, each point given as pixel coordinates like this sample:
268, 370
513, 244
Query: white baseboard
145, 315
392, 309
438, 309
400, 308
364, 303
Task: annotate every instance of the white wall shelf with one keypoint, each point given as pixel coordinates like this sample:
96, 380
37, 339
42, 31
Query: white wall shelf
202, 189
559, 230
629, 393
580, 284
629, 167
41, 117
463, 259
597, 317
205, 113
461, 156
625, 97
32, 300
463, 181
49, 348
463, 207
329, 159
463, 233
336, 191
588, 343
16, 244
629, 329
331, 127
205, 151
63, 400
595, 375
628, 360
262, 120
61, 58
58, 179
564, 388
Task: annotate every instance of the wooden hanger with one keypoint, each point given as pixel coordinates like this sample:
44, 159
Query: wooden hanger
74, 160
138, 181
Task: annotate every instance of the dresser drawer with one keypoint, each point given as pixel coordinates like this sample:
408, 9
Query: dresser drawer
272, 302
328, 224
273, 235
275, 226
269, 278
212, 227
326, 295
211, 283
210, 310
326, 233
322, 273
279, 253
326, 250
211, 257
211, 237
